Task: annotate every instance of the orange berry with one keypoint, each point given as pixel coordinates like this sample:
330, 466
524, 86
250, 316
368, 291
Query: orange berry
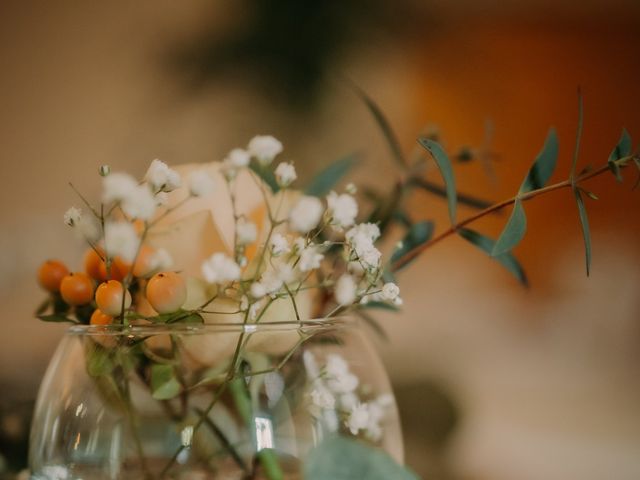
144, 266
77, 288
100, 318
94, 265
166, 292
109, 297
119, 269
51, 273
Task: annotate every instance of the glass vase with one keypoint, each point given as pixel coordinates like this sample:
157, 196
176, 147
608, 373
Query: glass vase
196, 402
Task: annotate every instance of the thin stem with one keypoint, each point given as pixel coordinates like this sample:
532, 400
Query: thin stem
413, 253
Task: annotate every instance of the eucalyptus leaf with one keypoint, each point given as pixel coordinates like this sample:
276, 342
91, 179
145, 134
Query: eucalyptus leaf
266, 175
586, 233
418, 234
324, 181
339, 458
446, 170
621, 150
164, 384
375, 305
507, 259
385, 127
56, 318
543, 166
513, 231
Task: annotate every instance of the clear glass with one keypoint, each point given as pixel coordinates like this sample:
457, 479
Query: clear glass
224, 401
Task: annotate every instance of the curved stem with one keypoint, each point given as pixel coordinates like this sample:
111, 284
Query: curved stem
413, 253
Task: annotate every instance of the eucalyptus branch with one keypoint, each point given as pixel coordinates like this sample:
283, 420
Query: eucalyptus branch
569, 183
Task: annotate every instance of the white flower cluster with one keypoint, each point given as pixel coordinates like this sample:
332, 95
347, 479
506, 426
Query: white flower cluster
335, 397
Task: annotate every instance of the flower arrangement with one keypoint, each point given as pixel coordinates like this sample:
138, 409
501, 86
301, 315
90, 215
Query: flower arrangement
235, 242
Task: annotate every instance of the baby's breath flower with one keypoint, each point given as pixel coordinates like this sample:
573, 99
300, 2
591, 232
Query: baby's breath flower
201, 184
117, 187
161, 260
104, 170
161, 177
258, 290
358, 418
246, 232
238, 158
162, 199
299, 244
88, 227
140, 203
72, 216
285, 174
279, 244
345, 291
305, 214
310, 259
244, 303
390, 291
351, 189
220, 268
343, 209
264, 148
254, 309
121, 239
322, 398
367, 230
273, 279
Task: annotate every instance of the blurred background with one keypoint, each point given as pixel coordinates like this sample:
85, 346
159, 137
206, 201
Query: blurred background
494, 381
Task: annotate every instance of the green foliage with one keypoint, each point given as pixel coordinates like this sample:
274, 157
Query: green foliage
56, 318
99, 362
385, 127
446, 170
486, 244
339, 458
266, 175
513, 231
543, 166
164, 384
324, 181
584, 222
418, 234
621, 150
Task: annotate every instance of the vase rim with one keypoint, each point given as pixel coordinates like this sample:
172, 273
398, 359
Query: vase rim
306, 326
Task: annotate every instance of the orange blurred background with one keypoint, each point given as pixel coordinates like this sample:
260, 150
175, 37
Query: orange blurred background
516, 384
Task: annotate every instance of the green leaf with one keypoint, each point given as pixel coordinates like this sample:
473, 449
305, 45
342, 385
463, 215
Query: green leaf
324, 181
513, 231
463, 198
339, 458
418, 234
586, 233
375, 305
543, 166
486, 244
385, 127
164, 384
44, 306
56, 318
446, 170
621, 150
266, 175
99, 362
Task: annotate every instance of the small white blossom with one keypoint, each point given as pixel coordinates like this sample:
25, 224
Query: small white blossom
342, 208
370, 231
390, 291
258, 290
360, 238
371, 258
72, 216
88, 227
306, 214
140, 203
351, 189
244, 303
264, 148
117, 187
331, 420
274, 278
237, 158
246, 232
310, 259
348, 401
336, 366
220, 268
279, 244
322, 398
345, 383
299, 244
345, 291
161, 177
121, 239
358, 418
285, 174
161, 260
104, 170
162, 199
254, 309
310, 364
201, 184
